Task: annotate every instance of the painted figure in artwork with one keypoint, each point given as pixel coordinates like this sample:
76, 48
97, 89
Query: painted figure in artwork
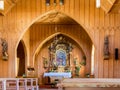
61, 58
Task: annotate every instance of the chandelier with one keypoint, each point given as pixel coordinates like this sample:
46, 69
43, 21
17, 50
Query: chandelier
48, 2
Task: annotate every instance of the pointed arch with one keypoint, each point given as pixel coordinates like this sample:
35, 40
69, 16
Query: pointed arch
21, 58
56, 11
91, 37
52, 36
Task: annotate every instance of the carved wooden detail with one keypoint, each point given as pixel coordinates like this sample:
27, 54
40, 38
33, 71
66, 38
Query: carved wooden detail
59, 50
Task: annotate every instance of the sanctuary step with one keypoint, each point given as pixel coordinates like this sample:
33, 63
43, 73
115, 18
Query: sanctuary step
48, 86
47, 89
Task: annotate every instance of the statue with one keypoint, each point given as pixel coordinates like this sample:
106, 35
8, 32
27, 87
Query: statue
4, 45
106, 48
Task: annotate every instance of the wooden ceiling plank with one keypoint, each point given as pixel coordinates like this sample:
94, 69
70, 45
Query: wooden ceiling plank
117, 2
111, 1
107, 5
116, 8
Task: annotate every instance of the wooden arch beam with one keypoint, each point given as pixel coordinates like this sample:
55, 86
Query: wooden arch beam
107, 5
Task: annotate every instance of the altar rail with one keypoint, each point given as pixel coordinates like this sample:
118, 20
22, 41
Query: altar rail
18, 84
90, 84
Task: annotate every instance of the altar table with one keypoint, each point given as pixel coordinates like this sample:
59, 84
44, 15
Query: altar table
58, 74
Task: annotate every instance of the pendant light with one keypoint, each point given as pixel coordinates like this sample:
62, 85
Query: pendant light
47, 2
61, 2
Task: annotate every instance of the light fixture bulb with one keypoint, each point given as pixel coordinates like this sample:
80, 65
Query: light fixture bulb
98, 3
1, 4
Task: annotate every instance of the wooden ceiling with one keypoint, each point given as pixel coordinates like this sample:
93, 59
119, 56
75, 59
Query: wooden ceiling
109, 6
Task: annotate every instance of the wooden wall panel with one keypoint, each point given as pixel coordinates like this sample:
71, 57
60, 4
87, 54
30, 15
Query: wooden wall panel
71, 8
82, 11
96, 60
102, 17
26, 12
92, 13
111, 48
116, 62
97, 17
101, 62
76, 9
87, 18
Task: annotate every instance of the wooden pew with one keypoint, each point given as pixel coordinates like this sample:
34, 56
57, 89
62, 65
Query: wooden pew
89, 84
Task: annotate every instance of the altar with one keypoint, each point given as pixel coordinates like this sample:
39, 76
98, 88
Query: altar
58, 65
58, 74
57, 77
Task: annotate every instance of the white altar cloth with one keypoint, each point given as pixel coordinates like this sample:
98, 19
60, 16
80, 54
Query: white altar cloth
58, 74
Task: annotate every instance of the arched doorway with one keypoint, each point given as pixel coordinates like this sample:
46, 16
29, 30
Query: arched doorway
20, 59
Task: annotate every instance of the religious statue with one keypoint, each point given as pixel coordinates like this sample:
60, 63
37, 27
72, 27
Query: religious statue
106, 48
4, 45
